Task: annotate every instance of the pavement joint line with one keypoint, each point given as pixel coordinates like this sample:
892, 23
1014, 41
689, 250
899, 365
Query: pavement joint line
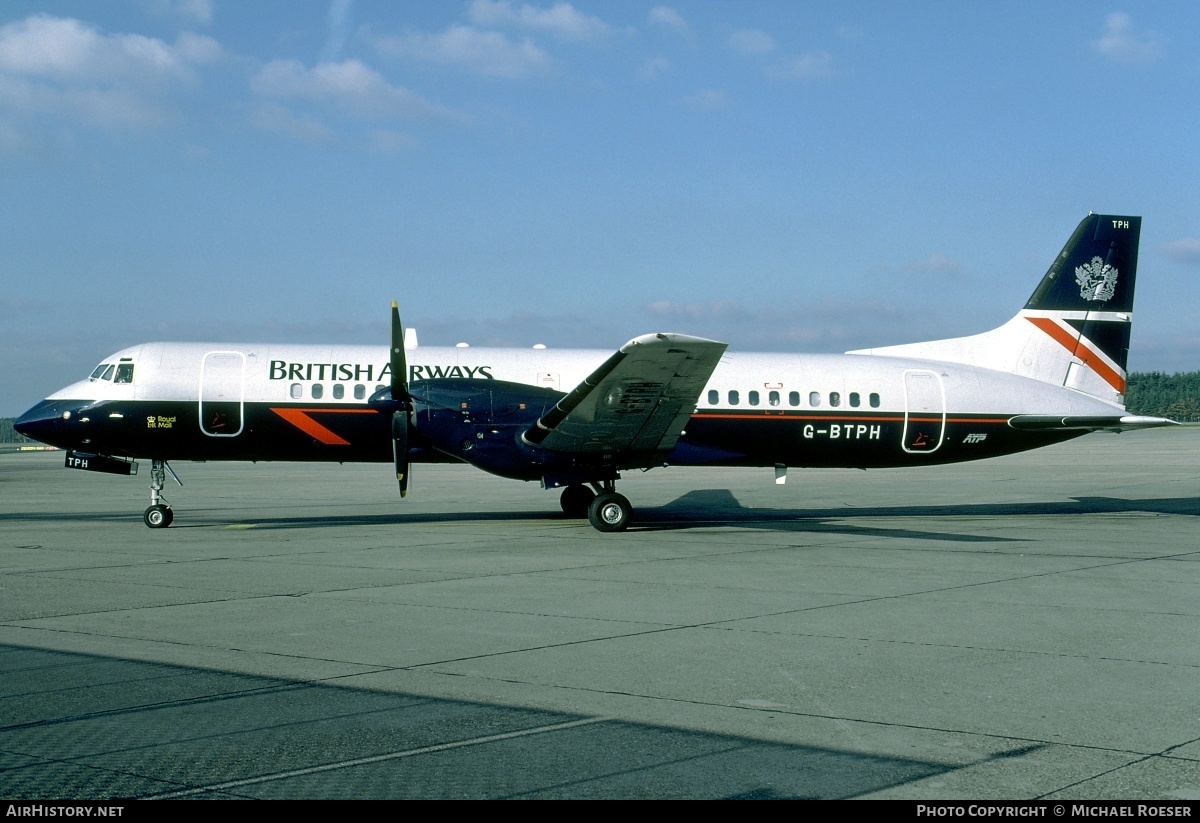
379, 758
275, 688
901, 642
1099, 774
840, 718
722, 624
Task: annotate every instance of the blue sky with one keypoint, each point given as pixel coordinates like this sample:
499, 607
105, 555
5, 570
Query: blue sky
786, 176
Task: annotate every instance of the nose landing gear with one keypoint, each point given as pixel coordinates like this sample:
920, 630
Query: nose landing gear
159, 515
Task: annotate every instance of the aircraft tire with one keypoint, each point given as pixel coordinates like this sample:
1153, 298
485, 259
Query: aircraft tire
609, 512
576, 500
158, 517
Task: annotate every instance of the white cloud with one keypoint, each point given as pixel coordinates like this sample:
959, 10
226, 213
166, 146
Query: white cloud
667, 16
386, 141
12, 141
830, 326
936, 264
1186, 251
61, 68
69, 50
752, 42
705, 100
350, 86
1121, 43
561, 20
199, 11
276, 118
806, 66
654, 67
339, 29
715, 309
483, 52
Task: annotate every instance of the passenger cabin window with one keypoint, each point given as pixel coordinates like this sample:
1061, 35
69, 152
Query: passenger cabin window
339, 391
814, 398
734, 398
874, 398
297, 391
318, 391
714, 397
854, 400
753, 398
360, 391
794, 398
835, 399
773, 398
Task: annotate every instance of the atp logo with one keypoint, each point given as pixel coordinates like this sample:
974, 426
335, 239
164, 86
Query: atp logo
975, 438
1097, 281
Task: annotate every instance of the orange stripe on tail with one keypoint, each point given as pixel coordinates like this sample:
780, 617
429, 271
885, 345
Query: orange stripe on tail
1076, 347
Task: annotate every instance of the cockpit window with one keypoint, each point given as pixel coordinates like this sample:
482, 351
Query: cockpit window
99, 371
108, 372
124, 373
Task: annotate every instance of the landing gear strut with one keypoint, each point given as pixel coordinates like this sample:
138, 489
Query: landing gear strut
159, 515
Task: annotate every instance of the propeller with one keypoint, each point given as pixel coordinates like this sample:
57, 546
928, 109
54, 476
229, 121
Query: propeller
403, 401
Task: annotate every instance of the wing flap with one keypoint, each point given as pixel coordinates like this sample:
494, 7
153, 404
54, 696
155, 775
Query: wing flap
638, 401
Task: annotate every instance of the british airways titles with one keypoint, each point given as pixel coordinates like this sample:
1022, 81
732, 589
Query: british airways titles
357, 372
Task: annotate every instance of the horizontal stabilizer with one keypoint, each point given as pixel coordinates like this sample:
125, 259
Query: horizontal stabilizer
1115, 423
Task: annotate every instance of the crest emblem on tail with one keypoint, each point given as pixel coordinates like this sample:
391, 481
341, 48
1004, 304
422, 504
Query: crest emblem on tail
1097, 281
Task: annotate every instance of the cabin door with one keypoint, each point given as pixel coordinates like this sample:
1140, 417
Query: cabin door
222, 375
924, 411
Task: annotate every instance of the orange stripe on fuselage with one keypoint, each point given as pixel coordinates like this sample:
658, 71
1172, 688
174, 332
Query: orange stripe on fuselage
301, 420
1076, 347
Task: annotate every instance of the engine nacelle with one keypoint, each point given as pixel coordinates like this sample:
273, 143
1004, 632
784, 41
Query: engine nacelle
481, 422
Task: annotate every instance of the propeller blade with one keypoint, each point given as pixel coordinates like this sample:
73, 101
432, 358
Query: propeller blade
398, 361
403, 399
400, 449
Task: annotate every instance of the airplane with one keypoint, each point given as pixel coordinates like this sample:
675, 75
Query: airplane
575, 419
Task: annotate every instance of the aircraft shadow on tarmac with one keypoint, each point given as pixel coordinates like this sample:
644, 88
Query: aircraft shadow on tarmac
101, 727
699, 509
719, 508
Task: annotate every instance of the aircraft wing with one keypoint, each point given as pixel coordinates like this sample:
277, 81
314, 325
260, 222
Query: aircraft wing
638, 401
1114, 423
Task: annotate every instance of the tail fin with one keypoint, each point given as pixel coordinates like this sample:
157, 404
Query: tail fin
1074, 331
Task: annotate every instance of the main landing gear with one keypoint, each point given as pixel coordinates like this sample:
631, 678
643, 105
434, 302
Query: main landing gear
606, 510
159, 515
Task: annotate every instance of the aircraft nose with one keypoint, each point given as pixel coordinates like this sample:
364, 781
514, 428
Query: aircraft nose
47, 422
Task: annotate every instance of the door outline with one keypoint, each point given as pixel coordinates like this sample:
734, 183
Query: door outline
923, 399
221, 380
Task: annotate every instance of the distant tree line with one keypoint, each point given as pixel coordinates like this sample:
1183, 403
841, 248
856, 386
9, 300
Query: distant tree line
1176, 396
8, 434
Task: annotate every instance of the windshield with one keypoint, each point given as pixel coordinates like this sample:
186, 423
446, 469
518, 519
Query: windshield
114, 372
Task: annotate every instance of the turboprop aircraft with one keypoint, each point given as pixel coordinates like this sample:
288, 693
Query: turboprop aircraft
575, 419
